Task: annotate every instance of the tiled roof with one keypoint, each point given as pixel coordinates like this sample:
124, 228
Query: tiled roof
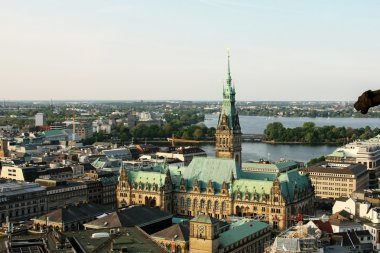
324, 226
180, 231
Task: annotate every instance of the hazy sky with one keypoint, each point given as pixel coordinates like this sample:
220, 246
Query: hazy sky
98, 49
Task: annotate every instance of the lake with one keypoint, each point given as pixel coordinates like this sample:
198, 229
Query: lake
275, 152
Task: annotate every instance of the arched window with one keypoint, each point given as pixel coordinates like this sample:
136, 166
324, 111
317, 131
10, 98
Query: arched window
202, 203
182, 203
224, 206
209, 204
188, 203
216, 205
195, 203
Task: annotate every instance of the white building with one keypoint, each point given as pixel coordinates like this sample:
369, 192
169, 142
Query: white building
361, 217
366, 152
351, 205
40, 119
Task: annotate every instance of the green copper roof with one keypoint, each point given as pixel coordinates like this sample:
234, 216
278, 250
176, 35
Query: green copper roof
215, 169
223, 170
52, 133
259, 175
240, 231
228, 107
150, 177
203, 218
338, 153
259, 186
290, 180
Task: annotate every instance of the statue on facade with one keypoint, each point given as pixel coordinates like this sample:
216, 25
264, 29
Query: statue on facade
367, 100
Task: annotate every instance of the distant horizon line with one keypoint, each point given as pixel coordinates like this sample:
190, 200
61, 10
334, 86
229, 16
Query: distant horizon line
158, 100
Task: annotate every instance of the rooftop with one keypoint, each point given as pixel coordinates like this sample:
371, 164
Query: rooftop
129, 217
180, 232
76, 213
203, 218
241, 230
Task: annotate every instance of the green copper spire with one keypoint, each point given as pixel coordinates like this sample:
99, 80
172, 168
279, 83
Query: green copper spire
228, 107
229, 79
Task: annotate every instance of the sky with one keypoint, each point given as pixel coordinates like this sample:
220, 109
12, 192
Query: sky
281, 50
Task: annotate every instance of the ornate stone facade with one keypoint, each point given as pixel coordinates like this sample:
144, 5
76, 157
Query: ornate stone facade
228, 131
219, 188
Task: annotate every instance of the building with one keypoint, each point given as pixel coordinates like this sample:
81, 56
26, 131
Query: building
174, 237
332, 180
344, 221
352, 205
56, 135
108, 190
40, 119
94, 191
370, 196
357, 215
366, 152
131, 240
184, 154
300, 238
151, 220
353, 241
83, 130
4, 151
62, 193
21, 200
221, 187
206, 236
228, 132
70, 217
30, 172
118, 153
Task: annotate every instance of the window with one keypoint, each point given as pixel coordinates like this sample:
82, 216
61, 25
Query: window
275, 225
188, 202
195, 203
209, 204
202, 203
216, 205
223, 206
182, 201
263, 209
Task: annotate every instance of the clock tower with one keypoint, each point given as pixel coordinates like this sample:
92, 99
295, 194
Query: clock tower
228, 132
204, 234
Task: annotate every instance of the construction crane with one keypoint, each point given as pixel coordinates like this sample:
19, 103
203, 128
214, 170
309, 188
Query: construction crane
173, 140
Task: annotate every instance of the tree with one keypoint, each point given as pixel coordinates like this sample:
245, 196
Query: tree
316, 160
198, 133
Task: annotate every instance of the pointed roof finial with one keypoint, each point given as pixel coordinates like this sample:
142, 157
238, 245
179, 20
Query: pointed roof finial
229, 79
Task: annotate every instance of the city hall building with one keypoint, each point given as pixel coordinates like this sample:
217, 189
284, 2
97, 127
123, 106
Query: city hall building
222, 187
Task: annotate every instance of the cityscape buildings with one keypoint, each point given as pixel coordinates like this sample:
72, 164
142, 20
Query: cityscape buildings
221, 187
61, 186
